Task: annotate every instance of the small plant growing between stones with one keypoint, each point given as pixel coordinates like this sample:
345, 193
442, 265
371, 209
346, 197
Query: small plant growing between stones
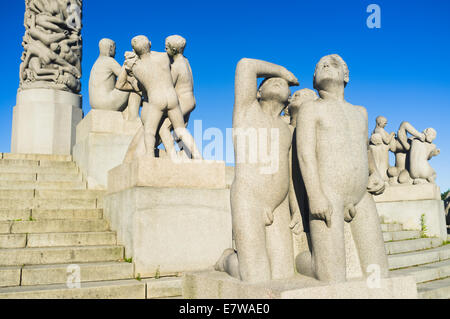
157, 274
128, 260
423, 226
138, 278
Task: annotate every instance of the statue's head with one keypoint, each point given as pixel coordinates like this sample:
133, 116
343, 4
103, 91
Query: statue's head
274, 89
331, 69
300, 97
141, 45
376, 139
430, 134
107, 47
175, 44
381, 121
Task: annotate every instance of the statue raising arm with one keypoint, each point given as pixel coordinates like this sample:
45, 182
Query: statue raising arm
246, 86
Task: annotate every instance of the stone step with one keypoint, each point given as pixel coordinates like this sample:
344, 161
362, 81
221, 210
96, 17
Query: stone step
16, 169
169, 287
54, 226
39, 214
13, 240
71, 239
28, 185
69, 194
428, 272
10, 276
438, 289
17, 177
117, 289
401, 235
16, 194
35, 163
37, 157
58, 274
35, 177
391, 227
419, 257
11, 214
43, 203
60, 255
404, 246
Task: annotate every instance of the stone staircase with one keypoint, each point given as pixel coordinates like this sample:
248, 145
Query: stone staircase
427, 259
50, 221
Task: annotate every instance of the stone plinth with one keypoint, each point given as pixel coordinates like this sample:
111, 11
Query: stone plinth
44, 122
396, 193
162, 172
408, 213
102, 141
405, 204
170, 230
217, 285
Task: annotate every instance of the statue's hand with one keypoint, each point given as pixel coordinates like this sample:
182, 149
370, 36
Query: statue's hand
296, 224
321, 208
437, 152
376, 184
290, 78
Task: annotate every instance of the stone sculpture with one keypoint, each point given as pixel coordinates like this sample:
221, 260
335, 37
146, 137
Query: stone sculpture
259, 199
184, 86
338, 172
52, 45
412, 155
380, 152
149, 72
102, 92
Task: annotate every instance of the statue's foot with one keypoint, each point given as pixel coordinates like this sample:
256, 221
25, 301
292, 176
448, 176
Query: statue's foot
419, 181
221, 263
303, 263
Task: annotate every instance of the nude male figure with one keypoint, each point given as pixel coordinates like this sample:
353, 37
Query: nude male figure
332, 137
152, 71
381, 123
419, 155
380, 152
259, 200
102, 92
184, 86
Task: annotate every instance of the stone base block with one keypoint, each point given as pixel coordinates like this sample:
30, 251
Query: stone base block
44, 122
163, 172
400, 192
102, 141
217, 285
408, 214
170, 230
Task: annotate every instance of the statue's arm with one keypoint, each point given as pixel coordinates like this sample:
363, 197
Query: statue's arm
115, 67
247, 73
307, 122
122, 82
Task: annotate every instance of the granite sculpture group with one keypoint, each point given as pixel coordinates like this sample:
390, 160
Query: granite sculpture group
317, 186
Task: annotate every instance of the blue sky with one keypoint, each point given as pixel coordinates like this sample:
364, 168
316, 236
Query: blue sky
400, 71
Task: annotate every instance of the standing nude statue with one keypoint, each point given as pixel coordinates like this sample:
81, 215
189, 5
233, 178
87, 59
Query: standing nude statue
184, 86
332, 137
259, 200
102, 92
380, 152
152, 71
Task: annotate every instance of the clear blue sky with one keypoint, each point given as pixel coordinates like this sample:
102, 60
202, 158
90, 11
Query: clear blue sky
401, 71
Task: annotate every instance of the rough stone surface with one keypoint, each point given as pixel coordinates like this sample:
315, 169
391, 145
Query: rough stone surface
44, 122
401, 192
170, 230
217, 285
408, 213
164, 287
158, 172
103, 138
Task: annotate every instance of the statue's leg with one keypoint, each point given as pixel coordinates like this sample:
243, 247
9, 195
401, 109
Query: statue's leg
176, 118
328, 246
167, 139
366, 231
134, 103
279, 243
250, 236
151, 118
132, 151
